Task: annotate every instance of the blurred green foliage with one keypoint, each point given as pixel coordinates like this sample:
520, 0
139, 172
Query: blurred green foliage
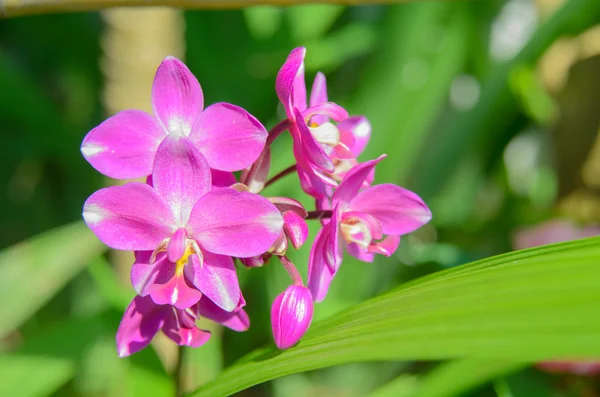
442, 106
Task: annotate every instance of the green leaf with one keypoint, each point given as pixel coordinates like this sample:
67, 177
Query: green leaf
30, 376
522, 306
403, 386
32, 271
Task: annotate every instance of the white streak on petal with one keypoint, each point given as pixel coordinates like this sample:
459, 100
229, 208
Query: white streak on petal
93, 214
90, 149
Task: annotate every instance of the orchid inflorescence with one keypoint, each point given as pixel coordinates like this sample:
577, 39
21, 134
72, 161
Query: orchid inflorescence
192, 217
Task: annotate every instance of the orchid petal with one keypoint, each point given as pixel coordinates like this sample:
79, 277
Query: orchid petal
318, 95
359, 128
144, 273
222, 178
285, 204
175, 292
334, 250
319, 275
359, 253
328, 109
353, 181
385, 247
257, 174
129, 217
286, 80
216, 279
179, 331
141, 321
295, 228
230, 138
123, 146
181, 176
176, 96
239, 224
177, 245
311, 149
399, 211
237, 320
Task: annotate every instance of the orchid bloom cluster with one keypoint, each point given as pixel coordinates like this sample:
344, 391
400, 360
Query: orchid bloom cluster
192, 216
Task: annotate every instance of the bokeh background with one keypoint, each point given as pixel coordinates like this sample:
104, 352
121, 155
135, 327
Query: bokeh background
489, 110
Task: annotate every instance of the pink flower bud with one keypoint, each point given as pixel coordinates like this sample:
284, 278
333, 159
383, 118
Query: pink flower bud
291, 315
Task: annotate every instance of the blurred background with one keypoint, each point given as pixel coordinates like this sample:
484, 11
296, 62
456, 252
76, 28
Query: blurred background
489, 110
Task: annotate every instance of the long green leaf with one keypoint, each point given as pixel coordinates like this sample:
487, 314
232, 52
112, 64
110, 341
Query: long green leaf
523, 306
32, 271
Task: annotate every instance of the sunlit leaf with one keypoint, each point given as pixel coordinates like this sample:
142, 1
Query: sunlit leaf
32, 271
523, 306
33, 376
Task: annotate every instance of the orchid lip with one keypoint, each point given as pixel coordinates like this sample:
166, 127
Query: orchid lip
355, 231
326, 134
191, 248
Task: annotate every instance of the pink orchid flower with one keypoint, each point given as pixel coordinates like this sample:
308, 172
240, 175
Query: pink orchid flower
311, 139
185, 216
144, 318
124, 145
359, 221
550, 232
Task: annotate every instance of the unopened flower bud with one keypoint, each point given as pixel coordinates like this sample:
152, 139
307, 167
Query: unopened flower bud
291, 315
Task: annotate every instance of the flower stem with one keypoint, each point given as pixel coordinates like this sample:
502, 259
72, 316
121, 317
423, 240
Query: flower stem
292, 271
322, 214
276, 131
287, 171
178, 374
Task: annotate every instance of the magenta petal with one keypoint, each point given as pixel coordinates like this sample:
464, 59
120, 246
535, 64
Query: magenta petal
176, 245
285, 204
291, 315
141, 321
222, 178
360, 253
353, 181
181, 176
257, 174
129, 217
180, 328
398, 211
311, 149
295, 228
286, 77
385, 247
319, 275
175, 292
176, 96
360, 129
230, 138
333, 249
123, 146
216, 279
239, 224
328, 109
318, 95
144, 274
237, 321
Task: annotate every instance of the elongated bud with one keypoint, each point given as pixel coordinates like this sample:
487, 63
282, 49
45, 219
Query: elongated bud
291, 315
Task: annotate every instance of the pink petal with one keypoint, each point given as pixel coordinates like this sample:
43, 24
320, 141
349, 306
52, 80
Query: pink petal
123, 146
311, 149
286, 81
144, 274
237, 321
369, 220
222, 178
180, 328
254, 261
353, 181
216, 279
291, 315
230, 138
175, 292
359, 253
285, 204
327, 109
319, 275
141, 321
399, 211
181, 176
385, 247
176, 96
239, 224
318, 95
333, 253
359, 128
129, 217
295, 228
299, 90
